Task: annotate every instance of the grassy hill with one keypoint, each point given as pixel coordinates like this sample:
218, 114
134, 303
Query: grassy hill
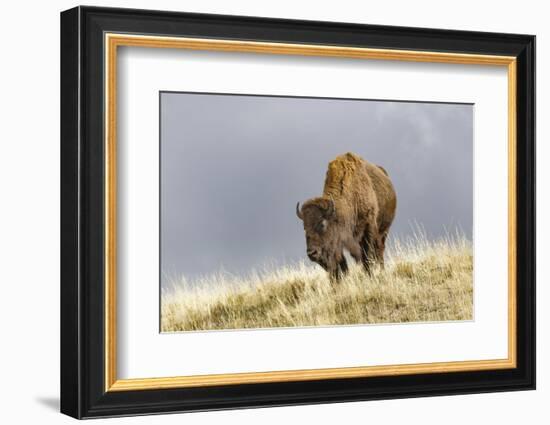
423, 281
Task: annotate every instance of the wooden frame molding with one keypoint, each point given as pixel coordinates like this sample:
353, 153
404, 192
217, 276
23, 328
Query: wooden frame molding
113, 41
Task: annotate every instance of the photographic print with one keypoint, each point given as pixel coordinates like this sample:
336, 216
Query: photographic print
301, 211
268, 185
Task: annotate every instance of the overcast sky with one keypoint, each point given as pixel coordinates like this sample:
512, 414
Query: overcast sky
233, 168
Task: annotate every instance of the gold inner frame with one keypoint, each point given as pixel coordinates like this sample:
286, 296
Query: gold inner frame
113, 41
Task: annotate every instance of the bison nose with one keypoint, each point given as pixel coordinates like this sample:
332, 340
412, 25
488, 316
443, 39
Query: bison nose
313, 254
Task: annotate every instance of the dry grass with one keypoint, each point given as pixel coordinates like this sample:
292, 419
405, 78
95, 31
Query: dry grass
423, 281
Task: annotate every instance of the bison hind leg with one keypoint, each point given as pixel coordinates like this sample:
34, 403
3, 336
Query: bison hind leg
380, 248
373, 251
367, 251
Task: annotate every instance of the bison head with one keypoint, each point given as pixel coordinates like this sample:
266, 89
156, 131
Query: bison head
319, 217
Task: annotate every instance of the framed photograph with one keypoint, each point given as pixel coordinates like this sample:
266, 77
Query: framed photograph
261, 212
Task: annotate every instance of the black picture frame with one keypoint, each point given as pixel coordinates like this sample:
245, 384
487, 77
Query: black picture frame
83, 392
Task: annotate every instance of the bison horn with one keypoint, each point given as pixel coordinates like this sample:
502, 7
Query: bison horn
298, 212
330, 210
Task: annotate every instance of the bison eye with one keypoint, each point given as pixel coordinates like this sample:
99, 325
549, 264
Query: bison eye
321, 226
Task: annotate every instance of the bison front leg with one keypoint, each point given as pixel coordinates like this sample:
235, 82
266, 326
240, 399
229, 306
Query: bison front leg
369, 247
340, 269
355, 250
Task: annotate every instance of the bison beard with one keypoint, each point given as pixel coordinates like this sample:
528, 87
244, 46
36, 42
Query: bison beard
355, 213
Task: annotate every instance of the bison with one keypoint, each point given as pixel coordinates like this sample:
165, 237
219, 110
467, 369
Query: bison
355, 213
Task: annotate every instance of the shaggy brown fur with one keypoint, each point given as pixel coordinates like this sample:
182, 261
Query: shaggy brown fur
354, 213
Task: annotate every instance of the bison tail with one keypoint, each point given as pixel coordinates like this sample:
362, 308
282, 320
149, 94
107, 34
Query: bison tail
383, 170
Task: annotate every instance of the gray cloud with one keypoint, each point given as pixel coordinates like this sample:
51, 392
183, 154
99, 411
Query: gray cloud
233, 168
